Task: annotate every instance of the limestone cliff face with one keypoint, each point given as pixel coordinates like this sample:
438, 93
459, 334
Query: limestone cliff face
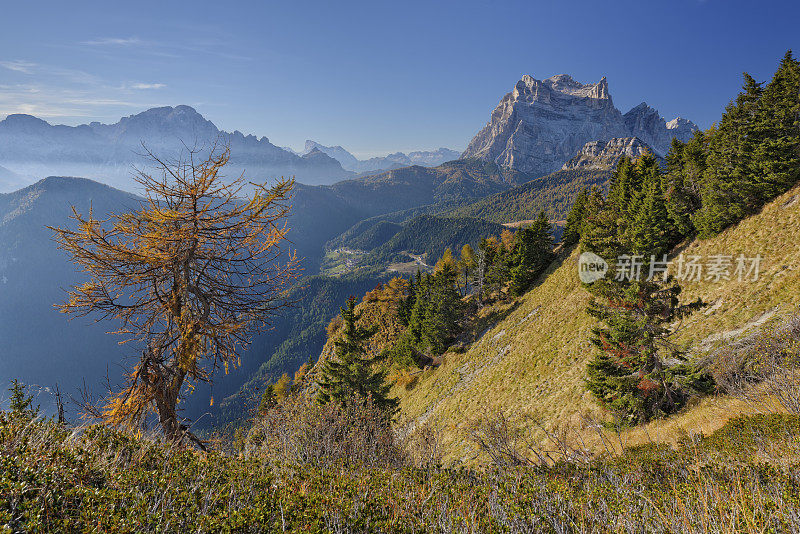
540, 125
645, 123
604, 155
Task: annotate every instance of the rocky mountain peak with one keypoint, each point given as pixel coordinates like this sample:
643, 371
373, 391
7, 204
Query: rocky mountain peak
540, 125
558, 87
679, 123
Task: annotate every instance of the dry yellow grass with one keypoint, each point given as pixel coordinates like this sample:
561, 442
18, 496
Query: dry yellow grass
533, 361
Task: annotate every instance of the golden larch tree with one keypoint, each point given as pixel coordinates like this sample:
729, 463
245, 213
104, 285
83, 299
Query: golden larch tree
190, 276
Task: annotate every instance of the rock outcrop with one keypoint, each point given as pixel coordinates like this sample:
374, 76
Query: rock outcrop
604, 155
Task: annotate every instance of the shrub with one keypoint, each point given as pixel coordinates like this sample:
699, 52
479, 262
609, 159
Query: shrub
300, 430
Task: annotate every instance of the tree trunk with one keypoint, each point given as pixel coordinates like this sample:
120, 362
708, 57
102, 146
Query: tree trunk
166, 397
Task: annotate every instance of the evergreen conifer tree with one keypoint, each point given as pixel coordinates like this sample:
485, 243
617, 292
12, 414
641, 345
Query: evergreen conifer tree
349, 371
776, 156
532, 252
729, 191
21, 402
575, 217
442, 312
638, 374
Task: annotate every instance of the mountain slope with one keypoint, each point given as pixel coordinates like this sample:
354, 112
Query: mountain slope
645, 123
425, 236
10, 181
533, 361
604, 155
410, 187
552, 193
39, 345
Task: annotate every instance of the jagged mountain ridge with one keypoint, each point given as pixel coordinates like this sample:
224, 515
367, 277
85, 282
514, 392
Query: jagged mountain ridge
541, 124
108, 152
645, 123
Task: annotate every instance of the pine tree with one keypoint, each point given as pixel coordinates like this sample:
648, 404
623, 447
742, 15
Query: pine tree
577, 213
21, 402
419, 308
651, 231
686, 163
448, 260
407, 304
729, 190
619, 191
442, 311
776, 161
466, 265
532, 252
638, 374
497, 258
599, 232
350, 370
268, 400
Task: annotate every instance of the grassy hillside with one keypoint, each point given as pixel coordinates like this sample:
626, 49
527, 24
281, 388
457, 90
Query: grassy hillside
552, 193
532, 363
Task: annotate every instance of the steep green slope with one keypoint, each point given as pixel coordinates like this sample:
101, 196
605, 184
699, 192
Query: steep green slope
552, 193
320, 213
366, 235
533, 361
295, 337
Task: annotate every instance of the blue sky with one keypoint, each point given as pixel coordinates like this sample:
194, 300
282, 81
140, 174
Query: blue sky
376, 76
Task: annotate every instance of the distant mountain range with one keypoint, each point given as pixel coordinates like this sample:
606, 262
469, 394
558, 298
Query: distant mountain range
396, 160
109, 152
39, 345
540, 125
30, 147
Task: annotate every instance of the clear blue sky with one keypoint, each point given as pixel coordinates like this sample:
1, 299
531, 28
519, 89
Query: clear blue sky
376, 76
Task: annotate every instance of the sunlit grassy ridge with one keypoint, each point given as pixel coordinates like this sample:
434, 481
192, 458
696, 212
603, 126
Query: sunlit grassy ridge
532, 363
